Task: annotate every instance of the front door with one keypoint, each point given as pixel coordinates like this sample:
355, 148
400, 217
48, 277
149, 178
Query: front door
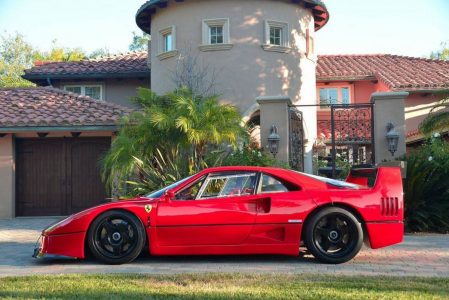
218, 209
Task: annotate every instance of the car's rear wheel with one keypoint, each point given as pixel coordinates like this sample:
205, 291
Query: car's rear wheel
333, 235
116, 237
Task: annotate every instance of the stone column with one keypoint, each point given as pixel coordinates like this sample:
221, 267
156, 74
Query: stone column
7, 184
274, 111
388, 107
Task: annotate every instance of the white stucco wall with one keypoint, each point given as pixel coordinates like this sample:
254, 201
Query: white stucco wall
247, 70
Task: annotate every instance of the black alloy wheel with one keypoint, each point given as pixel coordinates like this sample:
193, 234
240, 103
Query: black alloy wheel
333, 235
116, 237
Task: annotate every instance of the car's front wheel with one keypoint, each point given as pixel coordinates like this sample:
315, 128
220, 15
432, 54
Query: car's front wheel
333, 235
116, 237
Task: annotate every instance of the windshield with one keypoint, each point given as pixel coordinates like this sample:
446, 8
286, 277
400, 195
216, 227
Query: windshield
159, 193
334, 182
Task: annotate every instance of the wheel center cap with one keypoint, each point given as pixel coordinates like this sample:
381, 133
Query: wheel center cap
333, 235
116, 236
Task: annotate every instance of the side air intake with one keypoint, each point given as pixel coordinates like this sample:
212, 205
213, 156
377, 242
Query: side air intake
389, 206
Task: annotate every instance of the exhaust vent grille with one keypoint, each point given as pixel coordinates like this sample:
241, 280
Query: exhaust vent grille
389, 206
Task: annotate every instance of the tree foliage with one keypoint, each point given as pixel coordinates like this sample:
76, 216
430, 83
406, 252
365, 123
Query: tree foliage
173, 133
100, 52
426, 187
442, 54
58, 53
15, 56
437, 120
139, 42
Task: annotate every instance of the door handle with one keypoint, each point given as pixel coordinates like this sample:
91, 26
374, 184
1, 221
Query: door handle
264, 205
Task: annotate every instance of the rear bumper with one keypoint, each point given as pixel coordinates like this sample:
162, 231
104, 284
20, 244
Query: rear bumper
59, 246
382, 234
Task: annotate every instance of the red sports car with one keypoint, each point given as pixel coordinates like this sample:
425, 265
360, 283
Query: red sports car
240, 210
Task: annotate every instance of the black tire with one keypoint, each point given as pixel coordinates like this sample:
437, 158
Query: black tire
116, 237
333, 235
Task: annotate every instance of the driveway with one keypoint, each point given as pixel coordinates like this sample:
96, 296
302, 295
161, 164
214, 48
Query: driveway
418, 255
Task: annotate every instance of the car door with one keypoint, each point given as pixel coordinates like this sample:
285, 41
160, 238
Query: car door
280, 219
218, 209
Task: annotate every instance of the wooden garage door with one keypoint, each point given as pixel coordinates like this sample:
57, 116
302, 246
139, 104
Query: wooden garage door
58, 176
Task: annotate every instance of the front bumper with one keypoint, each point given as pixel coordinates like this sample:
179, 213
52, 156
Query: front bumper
69, 245
38, 248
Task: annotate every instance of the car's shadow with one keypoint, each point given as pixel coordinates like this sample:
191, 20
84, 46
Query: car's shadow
147, 259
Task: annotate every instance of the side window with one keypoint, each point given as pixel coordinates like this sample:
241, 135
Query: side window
190, 192
272, 185
228, 185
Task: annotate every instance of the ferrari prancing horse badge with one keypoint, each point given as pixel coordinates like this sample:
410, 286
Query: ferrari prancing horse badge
148, 208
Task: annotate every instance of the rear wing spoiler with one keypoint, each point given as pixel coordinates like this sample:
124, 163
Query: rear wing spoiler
376, 177
362, 176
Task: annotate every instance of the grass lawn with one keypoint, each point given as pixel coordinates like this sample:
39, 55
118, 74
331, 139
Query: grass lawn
219, 286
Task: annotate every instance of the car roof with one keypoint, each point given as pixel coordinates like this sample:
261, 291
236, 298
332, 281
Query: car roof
305, 182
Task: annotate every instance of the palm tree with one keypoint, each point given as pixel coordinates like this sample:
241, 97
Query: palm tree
437, 120
202, 121
179, 128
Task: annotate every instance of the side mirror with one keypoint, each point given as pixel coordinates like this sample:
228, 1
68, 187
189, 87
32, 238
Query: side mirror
168, 196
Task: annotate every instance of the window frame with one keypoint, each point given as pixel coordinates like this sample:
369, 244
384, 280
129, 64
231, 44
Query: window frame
284, 38
310, 43
83, 89
212, 176
163, 53
201, 180
206, 41
287, 184
339, 87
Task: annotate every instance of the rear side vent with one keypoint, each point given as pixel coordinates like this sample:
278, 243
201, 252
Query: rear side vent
389, 206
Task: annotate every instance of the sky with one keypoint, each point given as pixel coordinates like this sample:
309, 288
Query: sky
405, 27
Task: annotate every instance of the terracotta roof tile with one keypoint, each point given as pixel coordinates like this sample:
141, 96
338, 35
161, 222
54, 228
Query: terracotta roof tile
120, 64
43, 106
399, 73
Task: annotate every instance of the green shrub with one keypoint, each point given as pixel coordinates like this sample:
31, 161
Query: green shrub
249, 156
426, 187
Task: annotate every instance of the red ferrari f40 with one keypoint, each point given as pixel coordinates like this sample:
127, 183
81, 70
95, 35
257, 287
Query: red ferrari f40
240, 210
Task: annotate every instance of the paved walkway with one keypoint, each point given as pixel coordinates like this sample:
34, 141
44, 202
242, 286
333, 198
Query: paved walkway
418, 255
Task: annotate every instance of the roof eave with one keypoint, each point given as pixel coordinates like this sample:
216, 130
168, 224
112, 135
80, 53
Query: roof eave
58, 128
143, 14
422, 90
44, 76
345, 78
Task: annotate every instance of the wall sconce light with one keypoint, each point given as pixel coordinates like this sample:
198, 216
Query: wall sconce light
273, 140
392, 138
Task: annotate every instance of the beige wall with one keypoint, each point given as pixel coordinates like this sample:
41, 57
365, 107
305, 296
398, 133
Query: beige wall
7, 184
246, 71
274, 111
118, 91
388, 107
417, 108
